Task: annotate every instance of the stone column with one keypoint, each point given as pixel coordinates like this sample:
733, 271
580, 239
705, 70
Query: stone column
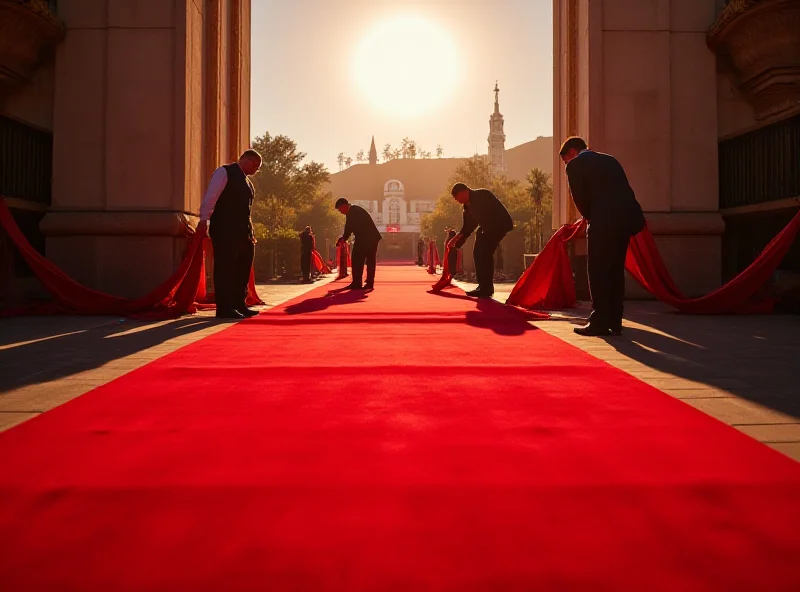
637, 80
138, 128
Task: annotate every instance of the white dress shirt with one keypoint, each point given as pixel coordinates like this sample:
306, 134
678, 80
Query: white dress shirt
215, 188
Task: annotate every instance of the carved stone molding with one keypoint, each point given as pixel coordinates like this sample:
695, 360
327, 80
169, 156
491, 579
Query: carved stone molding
762, 39
28, 32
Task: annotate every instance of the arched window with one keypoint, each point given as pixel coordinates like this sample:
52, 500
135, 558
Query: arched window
394, 212
394, 186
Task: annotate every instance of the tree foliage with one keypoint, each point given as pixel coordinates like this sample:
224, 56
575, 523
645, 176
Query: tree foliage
527, 211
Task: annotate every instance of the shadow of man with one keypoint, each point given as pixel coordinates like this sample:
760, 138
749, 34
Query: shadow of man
336, 297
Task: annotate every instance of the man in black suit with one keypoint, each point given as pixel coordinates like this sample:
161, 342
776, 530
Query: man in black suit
482, 210
605, 199
421, 252
306, 247
227, 205
365, 249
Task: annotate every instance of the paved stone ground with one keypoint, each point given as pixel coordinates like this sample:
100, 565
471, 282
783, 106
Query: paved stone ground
742, 370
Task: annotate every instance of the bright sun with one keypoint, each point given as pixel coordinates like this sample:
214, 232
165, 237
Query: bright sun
406, 66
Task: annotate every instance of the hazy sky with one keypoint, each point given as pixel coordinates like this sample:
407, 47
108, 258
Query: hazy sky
331, 73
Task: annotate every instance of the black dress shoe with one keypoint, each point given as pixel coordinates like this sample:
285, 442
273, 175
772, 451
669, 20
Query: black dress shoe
353, 287
247, 312
591, 330
369, 287
616, 330
229, 314
479, 293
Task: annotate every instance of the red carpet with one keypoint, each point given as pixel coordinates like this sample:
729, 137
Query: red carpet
394, 440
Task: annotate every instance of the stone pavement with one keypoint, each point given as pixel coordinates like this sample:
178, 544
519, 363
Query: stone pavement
742, 370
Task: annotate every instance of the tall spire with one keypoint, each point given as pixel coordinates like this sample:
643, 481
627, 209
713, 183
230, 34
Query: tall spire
373, 153
497, 137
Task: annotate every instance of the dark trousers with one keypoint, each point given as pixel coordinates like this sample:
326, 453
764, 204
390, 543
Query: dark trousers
364, 253
606, 268
421, 256
483, 254
452, 261
233, 259
305, 264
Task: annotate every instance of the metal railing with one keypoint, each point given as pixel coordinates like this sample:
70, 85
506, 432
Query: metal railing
26, 162
760, 166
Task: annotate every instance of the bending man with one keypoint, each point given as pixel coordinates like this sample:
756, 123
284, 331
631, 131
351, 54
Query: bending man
365, 249
482, 210
605, 199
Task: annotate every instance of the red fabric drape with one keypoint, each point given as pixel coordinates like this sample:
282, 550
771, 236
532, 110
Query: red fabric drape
343, 259
177, 295
318, 263
548, 282
433, 257
447, 274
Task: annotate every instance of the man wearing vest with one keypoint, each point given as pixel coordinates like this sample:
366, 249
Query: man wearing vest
227, 204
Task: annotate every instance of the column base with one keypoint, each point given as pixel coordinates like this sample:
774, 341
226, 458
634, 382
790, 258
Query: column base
121, 253
690, 243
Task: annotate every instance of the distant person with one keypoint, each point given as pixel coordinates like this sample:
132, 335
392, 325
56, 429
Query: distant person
606, 201
421, 252
306, 249
228, 203
482, 210
452, 255
365, 248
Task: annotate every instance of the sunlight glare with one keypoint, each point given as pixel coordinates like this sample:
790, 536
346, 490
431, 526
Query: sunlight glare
406, 66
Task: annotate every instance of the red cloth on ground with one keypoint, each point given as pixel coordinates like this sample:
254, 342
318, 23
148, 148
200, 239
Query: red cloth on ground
343, 259
548, 282
176, 296
319, 263
263, 458
433, 257
447, 275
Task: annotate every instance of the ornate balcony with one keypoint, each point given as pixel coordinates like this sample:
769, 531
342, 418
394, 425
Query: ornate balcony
762, 39
29, 30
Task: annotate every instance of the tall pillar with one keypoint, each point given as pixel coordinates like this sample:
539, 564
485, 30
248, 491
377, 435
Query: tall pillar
139, 125
637, 80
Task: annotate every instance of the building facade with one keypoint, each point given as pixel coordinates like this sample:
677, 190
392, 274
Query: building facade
699, 100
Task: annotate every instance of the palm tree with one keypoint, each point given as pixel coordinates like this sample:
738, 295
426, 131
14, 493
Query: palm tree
360, 156
340, 160
348, 161
387, 152
439, 151
540, 190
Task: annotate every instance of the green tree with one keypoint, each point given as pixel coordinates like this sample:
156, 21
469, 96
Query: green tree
284, 186
387, 153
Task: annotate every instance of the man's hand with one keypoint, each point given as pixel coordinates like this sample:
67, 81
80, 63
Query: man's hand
453, 242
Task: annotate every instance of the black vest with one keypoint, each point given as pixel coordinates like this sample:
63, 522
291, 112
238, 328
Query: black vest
231, 216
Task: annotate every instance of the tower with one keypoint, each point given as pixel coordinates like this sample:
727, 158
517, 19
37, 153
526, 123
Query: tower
497, 137
373, 153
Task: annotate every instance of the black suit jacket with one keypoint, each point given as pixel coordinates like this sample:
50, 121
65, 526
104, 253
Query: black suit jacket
603, 195
360, 223
486, 211
306, 242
